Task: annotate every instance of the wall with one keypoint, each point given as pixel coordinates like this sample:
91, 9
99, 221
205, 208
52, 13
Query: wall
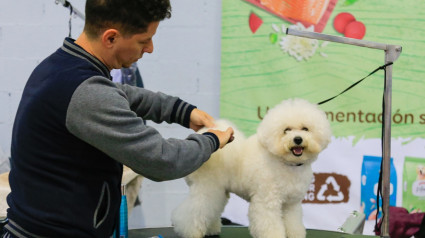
29, 31
185, 63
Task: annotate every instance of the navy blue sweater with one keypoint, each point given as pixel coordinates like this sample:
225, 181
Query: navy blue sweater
73, 131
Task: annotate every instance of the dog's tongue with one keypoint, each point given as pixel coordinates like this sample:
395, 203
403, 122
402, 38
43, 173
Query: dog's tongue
297, 150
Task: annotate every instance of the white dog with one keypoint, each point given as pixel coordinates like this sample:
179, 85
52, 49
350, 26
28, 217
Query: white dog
271, 170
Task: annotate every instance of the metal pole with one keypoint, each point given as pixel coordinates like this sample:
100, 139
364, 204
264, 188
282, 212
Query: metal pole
65, 3
338, 39
392, 52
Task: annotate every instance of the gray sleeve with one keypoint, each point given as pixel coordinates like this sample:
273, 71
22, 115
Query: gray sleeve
156, 106
108, 117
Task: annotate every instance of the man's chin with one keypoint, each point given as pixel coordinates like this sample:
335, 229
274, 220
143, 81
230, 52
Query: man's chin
126, 65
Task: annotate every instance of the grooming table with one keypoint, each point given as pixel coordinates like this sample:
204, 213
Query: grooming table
232, 232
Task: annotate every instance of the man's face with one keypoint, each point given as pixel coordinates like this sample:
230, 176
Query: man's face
130, 49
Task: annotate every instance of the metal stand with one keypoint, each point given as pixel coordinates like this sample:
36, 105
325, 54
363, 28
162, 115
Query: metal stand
75, 11
392, 52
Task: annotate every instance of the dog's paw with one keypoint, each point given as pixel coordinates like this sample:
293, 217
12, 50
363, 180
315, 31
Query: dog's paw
212, 235
188, 228
214, 228
296, 233
190, 235
189, 231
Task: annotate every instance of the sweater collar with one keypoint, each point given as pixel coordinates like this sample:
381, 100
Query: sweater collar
74, 49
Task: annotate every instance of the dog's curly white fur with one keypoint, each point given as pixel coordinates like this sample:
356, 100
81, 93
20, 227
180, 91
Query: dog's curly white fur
271, 170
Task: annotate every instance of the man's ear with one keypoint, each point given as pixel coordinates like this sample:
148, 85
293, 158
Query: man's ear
109, 37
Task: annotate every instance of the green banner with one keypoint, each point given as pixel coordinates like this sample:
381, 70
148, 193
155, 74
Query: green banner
262, 66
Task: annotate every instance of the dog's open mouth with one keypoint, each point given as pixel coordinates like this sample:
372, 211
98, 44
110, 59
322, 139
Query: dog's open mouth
297, 150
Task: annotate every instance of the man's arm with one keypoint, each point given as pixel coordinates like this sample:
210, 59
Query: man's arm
100, 114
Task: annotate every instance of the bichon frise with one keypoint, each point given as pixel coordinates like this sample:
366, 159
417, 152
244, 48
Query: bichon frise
271, 170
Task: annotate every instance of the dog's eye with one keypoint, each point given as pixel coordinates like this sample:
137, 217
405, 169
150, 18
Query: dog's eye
287, 130
305, 129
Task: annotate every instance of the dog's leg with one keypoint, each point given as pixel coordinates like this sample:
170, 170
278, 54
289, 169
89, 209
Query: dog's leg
199, 214
265, 219
221, 199
292, 218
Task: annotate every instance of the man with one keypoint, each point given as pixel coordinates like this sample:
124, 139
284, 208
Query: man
75, 128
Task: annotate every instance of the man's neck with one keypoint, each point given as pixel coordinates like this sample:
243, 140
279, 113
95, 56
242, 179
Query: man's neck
92, 47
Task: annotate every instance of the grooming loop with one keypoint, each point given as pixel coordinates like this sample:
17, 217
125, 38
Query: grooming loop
74, 11
392, 52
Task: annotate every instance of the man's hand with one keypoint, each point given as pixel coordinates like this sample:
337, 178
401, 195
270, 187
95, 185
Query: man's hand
199, 119
224, 137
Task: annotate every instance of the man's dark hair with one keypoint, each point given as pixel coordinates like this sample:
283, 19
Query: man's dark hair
127, 16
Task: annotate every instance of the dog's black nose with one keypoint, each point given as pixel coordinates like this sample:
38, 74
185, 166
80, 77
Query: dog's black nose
298, 140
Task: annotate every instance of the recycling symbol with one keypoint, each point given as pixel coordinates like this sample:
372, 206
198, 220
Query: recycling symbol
324, 188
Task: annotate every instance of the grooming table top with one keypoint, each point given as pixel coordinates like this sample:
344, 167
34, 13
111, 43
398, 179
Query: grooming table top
233, 232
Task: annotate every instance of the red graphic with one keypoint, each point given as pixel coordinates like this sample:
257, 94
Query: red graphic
254, 22
341, 21
355, 29
347, 24
307, 12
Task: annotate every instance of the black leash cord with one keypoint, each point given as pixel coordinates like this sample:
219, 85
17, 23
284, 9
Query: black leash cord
376, 70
